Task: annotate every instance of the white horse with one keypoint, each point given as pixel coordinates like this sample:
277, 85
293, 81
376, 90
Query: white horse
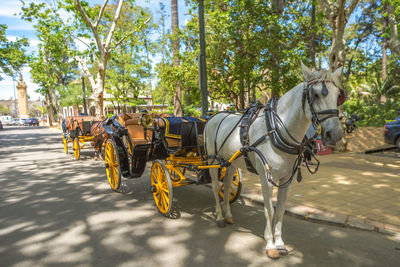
314, 101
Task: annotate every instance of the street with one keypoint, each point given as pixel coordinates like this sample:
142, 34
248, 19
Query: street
55, 210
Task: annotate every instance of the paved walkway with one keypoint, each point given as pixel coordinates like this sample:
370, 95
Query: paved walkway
350, 189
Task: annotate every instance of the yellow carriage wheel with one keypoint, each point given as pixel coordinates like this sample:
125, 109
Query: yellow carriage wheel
113, 170
77, 148
65, 143
236, 185
161, 187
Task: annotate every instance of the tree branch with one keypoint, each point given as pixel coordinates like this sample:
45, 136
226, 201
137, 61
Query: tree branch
114, 24
326, 8
350, 9
83, 14
129, 34
86, 71
91, 25
103, 7
88, 46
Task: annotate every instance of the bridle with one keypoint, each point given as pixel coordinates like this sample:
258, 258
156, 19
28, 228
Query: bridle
330, 113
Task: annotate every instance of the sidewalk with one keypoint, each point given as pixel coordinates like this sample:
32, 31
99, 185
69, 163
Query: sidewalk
350, 189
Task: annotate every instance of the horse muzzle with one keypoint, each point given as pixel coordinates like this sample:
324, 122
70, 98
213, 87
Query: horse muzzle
332, 132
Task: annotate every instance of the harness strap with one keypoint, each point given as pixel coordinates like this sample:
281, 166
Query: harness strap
249, 117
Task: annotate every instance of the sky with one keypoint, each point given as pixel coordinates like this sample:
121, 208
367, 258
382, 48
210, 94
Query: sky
18, 28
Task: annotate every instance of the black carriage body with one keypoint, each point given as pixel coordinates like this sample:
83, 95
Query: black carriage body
178, 135
132, 163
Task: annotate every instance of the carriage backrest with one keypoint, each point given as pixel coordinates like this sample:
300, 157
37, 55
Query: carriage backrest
135, 130
184, 132
82, 122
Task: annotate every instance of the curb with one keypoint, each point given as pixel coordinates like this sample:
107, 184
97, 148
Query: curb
330, 218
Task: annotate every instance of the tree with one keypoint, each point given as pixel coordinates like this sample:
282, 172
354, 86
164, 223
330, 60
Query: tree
338, 14
129, 71
392, 11
12, 54
104, 49
175, 50
51, 67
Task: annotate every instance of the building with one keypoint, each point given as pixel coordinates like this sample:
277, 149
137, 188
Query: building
35, 108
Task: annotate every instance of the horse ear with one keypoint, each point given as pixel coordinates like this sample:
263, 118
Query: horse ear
338, 72
306, 72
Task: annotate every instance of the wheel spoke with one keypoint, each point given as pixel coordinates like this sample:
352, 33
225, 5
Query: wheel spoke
166, 200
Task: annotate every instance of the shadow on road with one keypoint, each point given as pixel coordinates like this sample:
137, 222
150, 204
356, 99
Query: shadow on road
59, 211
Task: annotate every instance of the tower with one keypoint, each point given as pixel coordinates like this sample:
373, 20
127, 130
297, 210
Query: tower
22, 98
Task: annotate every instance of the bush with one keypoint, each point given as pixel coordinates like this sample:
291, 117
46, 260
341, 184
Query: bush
372, 114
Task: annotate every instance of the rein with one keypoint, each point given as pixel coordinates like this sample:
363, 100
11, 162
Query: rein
274, 123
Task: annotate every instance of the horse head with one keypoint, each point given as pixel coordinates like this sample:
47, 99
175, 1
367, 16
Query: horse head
323, 93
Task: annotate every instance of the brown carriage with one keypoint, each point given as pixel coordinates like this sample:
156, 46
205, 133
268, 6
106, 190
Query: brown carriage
81, 130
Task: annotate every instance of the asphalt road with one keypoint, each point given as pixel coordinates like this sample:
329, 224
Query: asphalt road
57, 211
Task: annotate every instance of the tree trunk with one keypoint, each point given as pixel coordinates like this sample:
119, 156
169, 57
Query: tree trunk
384, 48
393, 43
241, 93
312, 40
50, 110
338, 15
175, 50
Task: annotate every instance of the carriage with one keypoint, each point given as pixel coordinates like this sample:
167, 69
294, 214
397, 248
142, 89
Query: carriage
81, 130
174, 144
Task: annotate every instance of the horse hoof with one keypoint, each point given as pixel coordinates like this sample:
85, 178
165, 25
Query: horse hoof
229, 221
221, 223
283, 251
273, 253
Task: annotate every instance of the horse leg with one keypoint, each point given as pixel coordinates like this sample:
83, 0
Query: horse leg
267, 187
278, 220
227, 188
215, 189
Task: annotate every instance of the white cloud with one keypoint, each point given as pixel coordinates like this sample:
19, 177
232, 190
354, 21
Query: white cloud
9, 8
34, 42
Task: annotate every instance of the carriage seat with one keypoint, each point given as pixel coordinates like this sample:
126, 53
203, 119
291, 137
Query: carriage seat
135, 131
181, 131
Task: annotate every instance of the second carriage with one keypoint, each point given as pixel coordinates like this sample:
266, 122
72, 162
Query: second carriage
174, 144
81, 130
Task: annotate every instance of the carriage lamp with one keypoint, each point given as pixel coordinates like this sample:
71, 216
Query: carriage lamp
145, 120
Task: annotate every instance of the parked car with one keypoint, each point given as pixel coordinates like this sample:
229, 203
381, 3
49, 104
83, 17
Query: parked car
392, 132
33, 122
7, 120
14, 122
24, 122
20, 122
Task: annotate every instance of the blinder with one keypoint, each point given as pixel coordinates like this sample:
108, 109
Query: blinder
330, 113
324, 91
342, 97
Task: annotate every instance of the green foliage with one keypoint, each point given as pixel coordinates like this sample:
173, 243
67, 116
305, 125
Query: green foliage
128, 68
12, 54
372, 113
52, 67
4, 110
